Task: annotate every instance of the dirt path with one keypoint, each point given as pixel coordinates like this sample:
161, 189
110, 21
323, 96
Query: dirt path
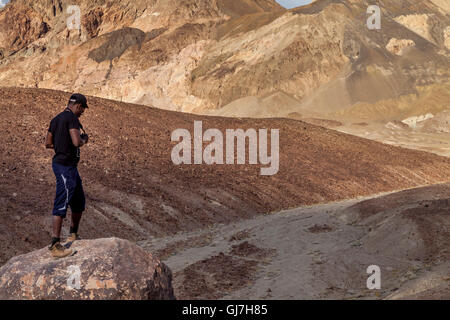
314, 252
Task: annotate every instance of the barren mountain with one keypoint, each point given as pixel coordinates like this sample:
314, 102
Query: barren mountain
200, 55
126, 50
134, 191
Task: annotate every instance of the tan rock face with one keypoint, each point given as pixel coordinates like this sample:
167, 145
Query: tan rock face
427, 26
92, 21
20, 27
101, 269
444, 5
137, 51
292, 54
397, 46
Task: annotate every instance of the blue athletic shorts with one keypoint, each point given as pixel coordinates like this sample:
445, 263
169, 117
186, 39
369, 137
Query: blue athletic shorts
69, 190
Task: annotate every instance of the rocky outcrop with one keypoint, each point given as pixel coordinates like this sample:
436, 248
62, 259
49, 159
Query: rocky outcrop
101, 269
92, 21
20, 27
428, 26
398, 46
439, 123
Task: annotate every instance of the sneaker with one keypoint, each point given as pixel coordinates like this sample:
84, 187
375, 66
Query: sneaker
73, 237
58, 251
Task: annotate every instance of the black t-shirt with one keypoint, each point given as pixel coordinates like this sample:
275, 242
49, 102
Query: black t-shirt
65, 152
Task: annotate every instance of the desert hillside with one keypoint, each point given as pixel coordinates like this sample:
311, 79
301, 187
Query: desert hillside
134, 191
363, 117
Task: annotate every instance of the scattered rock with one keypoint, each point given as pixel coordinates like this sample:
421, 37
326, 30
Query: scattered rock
396, 124
415, 120
238, 236
246, 249
320, 228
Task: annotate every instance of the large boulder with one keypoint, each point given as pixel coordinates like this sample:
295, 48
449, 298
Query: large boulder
100, 269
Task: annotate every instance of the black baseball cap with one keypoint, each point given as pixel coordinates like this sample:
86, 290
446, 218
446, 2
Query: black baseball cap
79, 98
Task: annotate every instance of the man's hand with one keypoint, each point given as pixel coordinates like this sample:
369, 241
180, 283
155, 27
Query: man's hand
85, 138
76, 138
49, 140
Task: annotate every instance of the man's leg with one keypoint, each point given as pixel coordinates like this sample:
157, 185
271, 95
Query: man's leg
57, 224
64, 190
77, 205
76, 217
60, 203
57, 250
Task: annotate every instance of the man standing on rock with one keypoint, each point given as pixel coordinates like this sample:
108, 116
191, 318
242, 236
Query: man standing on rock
65, 138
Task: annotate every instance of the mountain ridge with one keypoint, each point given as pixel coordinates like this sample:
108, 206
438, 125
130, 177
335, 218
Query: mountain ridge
201, 56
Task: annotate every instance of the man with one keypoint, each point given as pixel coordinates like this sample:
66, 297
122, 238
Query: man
64, 137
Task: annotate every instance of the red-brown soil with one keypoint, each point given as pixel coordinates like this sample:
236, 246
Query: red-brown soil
134, 191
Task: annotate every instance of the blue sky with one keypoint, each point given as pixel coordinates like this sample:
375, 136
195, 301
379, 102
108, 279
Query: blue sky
293, 3
285, 3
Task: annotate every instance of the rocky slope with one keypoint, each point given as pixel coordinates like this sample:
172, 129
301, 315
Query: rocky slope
198, 56
134, 191
123, 50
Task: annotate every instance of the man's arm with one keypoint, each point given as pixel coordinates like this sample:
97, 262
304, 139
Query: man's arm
49, 140
76, 138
